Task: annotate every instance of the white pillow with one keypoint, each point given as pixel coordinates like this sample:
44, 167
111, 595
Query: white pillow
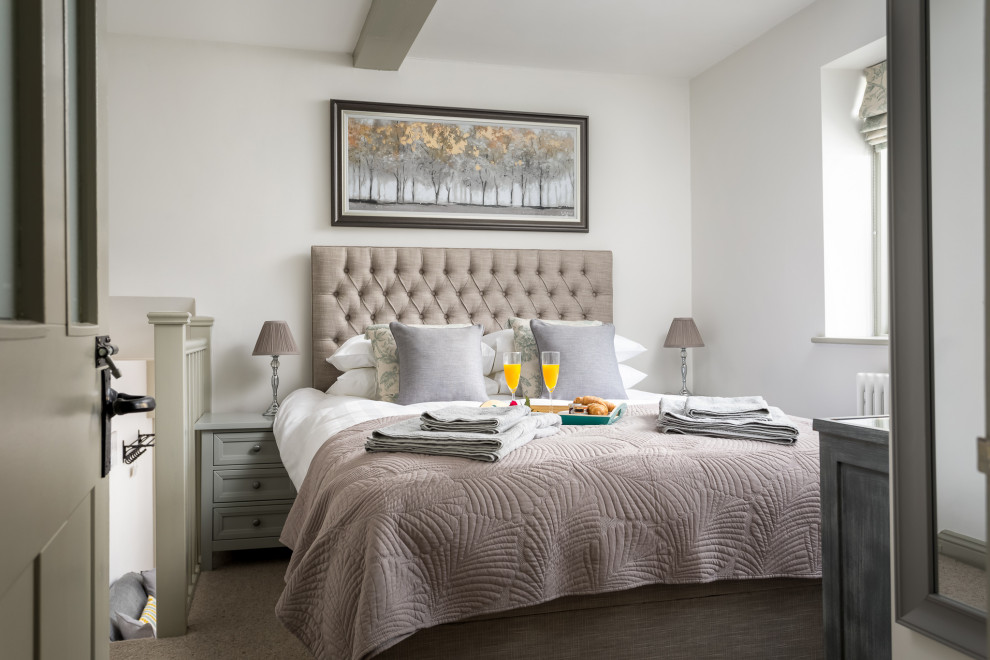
361, 382
487, 358
355, 353
501, 342
627, 349
497, 383
630, 376
491, 386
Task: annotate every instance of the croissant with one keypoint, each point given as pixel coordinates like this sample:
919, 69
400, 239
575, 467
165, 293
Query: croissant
596, 408
604, 407
588, 400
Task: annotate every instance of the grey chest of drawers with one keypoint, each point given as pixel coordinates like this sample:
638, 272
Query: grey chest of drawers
855, 537
245, 491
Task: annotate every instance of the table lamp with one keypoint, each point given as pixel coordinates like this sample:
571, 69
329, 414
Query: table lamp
683, 334
275, 339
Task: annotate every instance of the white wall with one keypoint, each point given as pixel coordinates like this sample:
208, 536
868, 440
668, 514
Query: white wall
956, 61
757, 216
220, 183
132, 533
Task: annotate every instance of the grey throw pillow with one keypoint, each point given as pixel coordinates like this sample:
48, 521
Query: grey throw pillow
131, 628
439, 364
127, 597
587, 359
150, 580
531, 375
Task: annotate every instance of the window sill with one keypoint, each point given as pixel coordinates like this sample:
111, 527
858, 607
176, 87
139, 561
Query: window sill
863, 341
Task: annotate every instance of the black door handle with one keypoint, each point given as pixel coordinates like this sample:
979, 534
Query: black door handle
114, 403
121, 403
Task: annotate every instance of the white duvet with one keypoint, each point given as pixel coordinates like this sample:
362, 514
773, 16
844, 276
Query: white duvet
308, 417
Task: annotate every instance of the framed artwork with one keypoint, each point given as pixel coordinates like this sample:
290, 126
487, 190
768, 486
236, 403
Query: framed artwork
454, 168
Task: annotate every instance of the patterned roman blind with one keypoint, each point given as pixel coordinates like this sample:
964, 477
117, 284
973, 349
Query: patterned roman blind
873, 110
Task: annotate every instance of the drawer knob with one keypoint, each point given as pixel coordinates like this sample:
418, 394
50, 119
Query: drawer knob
256, 485
255, 449
256, 522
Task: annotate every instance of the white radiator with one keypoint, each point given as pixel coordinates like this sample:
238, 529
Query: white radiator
872, 394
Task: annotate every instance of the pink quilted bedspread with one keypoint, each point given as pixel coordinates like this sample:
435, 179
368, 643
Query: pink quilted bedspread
387, 544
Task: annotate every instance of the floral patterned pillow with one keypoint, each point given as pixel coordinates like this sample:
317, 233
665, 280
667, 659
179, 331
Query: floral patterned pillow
531, 377
387, 358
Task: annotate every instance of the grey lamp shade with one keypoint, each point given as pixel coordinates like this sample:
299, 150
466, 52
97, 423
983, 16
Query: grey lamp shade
275, 339
683, 333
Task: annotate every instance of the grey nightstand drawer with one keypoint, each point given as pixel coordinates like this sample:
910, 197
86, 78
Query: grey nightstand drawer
254, 484
231, 523
244, 448
246, 493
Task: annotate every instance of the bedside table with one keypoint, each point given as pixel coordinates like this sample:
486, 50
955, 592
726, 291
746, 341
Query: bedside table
245, 491
854, 454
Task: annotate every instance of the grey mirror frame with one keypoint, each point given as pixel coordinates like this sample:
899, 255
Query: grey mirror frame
917, 604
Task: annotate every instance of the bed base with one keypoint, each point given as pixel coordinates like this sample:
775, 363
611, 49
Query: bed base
752, 619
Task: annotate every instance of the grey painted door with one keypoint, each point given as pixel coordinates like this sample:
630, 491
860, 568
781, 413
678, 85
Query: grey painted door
53, 500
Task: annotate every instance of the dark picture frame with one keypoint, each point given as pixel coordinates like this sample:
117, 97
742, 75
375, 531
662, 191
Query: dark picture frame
417, 166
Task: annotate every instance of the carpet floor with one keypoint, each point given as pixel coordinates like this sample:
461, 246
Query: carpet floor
962, 582
232, 615
233, 611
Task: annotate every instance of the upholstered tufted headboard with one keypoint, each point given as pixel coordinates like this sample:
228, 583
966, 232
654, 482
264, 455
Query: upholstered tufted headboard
354, 287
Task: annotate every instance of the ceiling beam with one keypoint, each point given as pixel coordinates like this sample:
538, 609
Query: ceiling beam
389, 32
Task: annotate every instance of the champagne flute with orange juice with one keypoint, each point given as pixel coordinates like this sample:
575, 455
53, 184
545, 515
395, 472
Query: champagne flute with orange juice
551, 370
513, 366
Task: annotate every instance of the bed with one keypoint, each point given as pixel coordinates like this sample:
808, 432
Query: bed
752, 597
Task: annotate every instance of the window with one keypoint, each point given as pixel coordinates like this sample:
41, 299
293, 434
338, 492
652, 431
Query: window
854, 188
881, 227
80, 167
873, 111
47, 52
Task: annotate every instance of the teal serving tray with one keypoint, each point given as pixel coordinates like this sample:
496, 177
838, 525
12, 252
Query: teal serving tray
588, 420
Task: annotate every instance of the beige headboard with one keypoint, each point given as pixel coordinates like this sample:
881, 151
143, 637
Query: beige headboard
354, 287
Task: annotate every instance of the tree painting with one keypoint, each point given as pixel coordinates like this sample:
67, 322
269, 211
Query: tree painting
405, 165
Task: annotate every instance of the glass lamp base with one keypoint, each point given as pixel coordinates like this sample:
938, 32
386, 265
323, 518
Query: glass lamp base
272, 409
684, 389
